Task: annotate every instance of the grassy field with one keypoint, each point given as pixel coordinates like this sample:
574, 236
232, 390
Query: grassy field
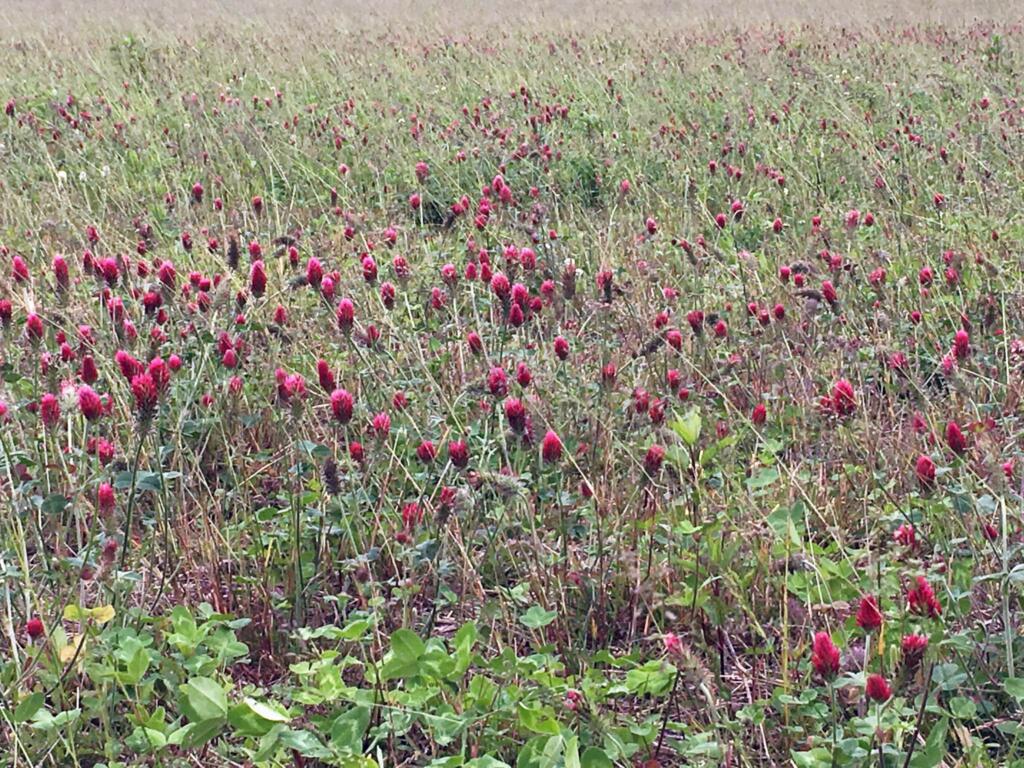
461, 385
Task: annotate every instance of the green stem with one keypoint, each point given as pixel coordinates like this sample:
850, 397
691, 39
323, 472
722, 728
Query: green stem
131, 497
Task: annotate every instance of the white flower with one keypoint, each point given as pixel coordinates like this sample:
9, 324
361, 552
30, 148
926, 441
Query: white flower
62, 177
83, 176
105, 171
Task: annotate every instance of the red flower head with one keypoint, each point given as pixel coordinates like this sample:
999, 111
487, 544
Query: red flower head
295, 386
515, 412
426, 452
476, 344
961, 344
60, 271
34, 328
914, 647
515, 316
345, 315
641, 400
109, 552
88, 372
844, 399
674, 338
458, 453
523, 375
829, 292
925, 471
34, 627
160, 373
501, 286
341, 405
381, 424
759, 415
105, 499
49, 409
869, 617
551, 447
608, 373
955, 439
497, 382
878, 689
369, 269
387, 295
561, 348
19, 270
905, 535
921, 599
314, 272
696, 320
673, 644
144, 389
258, 278
653, 459
825, 656
412, 515
325, 375
355, 452
89, 403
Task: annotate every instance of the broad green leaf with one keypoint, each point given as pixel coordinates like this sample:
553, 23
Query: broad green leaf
572, 752
254, 718
762, 478
688, 428
934, 750
349, 728
203, 699
819, 757
407, 645
73, 612
101, 614
42, 720
653, 678
28, 707
595, 758
305, 743
1015, 687
202, 732
536, 617
538, 719
404, 658
137, 666
962, 708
